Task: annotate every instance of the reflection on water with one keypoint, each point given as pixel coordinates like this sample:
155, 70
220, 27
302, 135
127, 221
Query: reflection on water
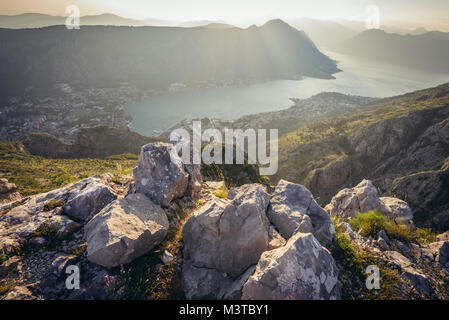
359, 77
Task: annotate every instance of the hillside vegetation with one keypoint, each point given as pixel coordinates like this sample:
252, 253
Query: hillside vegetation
328, 139
36, 174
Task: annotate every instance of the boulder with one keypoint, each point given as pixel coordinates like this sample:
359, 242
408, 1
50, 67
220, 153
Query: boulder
204, 283
87, 198
293, 209
363, 198
6, 187
124, 230
437, 251
160, 174
301, 270
8, 192
408, 271
398, 210
229, 235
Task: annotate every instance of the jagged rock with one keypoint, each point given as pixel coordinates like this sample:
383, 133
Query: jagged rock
87, 198
443, 237
293, 209
302, 269
6, 187
229, 235
336, 175
9, 265
398, 210
160, 173
20, 293
363, 198
167, 257
437, 251
276, 240
408, 271
8, 192
21, 222
204, 283
124, 230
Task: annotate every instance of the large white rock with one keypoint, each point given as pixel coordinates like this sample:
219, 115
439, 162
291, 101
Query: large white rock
87, 198
301, 270
293, 209
363, 198
160, 173
124, 230
25, 217
229, 235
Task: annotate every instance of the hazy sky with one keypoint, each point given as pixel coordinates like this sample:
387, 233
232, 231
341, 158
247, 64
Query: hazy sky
410, 13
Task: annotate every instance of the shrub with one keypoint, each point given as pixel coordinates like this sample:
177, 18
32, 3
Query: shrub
51, 204
222, 192
370, 223
353, 261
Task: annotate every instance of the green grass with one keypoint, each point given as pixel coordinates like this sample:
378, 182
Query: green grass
315, 141
34, 174
52, 204
353, 262
222, 192
370, 223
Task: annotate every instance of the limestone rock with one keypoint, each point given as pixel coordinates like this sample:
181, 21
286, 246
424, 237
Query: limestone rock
229, 235
160, 173
293, 209
124, 230
87, 199
301, 270
363, 198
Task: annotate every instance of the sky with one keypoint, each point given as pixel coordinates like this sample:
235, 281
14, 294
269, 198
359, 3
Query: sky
432, 14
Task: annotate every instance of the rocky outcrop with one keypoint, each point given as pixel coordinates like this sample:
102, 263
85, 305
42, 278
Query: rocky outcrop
229, 235
293, 209
8, 192
363, 198
54, 209
427, 194
161, 175
337, 174
226, 238
86, 198
124, 230
301, 270
90, 142
408, 270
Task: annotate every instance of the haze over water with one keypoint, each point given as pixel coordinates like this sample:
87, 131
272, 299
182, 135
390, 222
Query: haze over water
359, 77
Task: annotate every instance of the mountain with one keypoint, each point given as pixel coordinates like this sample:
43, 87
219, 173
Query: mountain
323, 32
427, 52
90, 142
156, 57
200, 23
37, 20
399, 143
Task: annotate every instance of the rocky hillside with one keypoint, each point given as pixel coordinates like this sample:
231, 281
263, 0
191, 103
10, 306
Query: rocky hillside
90, 142
385, 141
165, 233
